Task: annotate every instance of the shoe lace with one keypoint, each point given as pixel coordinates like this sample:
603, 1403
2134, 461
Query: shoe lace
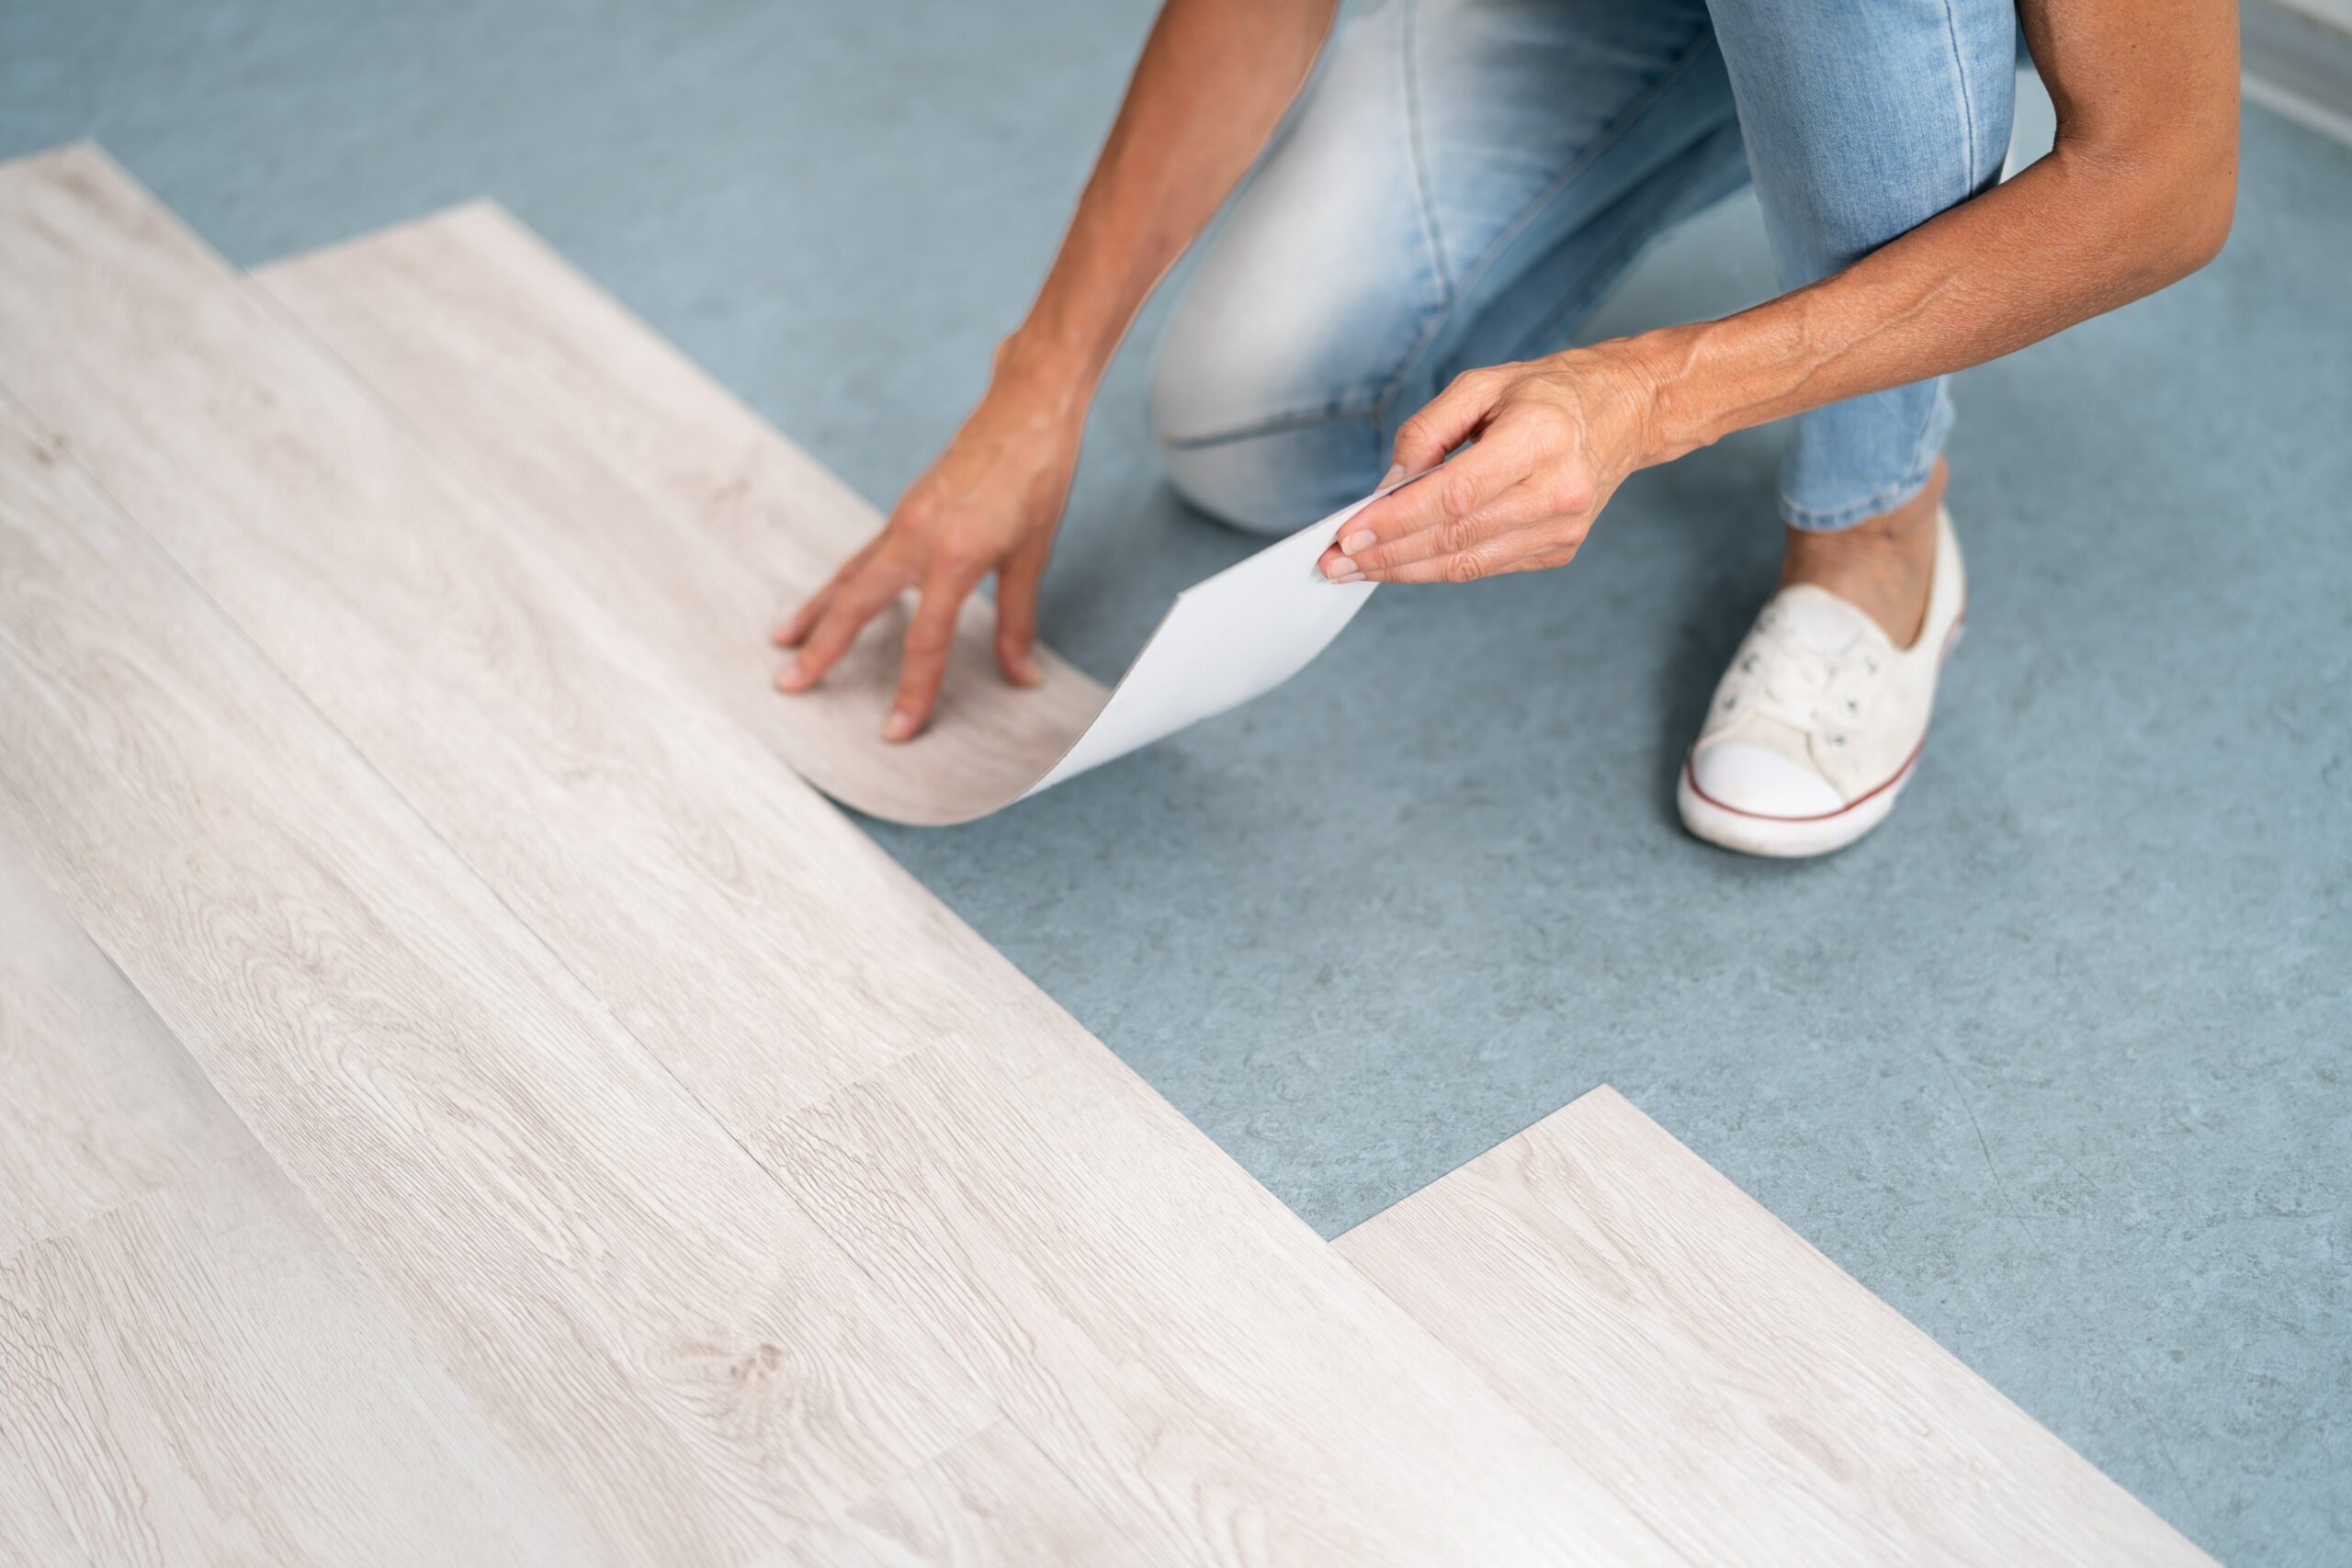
1790, 679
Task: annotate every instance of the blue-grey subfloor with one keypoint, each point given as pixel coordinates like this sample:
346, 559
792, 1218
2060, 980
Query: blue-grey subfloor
2056, 1063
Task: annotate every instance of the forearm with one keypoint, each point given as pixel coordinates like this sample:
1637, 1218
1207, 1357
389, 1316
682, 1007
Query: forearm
1214, 80
2135, 194
2066, 239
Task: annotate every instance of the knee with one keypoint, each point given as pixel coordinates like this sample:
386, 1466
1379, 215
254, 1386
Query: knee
1274, 482
1862, 123
1239, 439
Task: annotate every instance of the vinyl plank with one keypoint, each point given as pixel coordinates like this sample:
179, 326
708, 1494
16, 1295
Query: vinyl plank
200, 1375
1122, 1296
191, 1370
1749, 1398
593, 412
607, 801
647, 1319
1224, 1410
993, 1502
1180, 1346
98, 1103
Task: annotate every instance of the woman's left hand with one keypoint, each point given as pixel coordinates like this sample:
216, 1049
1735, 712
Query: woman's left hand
1555, 436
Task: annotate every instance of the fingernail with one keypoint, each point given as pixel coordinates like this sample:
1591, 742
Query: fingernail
1351, 576
791, 678
1392, 477
1027, 672
899, 726
1358, 542
1338, 567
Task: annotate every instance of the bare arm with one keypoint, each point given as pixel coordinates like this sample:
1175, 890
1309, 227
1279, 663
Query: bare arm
2136, 194
1214, 80
1212, 83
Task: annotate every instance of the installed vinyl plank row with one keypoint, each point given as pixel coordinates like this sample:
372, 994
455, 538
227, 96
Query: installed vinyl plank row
1204, 1373
1753, 1402
641, 1312
617, 815
191, 1370
1171, 1338
595, 415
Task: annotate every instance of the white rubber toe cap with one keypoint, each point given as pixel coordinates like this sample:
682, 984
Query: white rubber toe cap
1761, 782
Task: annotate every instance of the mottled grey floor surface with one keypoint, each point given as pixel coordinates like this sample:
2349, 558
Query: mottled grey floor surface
2056, 1063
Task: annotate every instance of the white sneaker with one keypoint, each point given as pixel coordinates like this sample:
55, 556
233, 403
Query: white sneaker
1820, 719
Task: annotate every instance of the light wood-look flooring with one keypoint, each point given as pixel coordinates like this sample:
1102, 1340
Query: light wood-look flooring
1751, 1401
732, 1176
192, 1371
464, 1099
671, 499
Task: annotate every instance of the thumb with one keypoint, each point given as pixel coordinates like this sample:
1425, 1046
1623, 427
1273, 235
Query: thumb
1447, 419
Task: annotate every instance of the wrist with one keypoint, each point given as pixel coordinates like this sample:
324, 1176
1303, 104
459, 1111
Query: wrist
1038, 402
1683, 411
1047, 370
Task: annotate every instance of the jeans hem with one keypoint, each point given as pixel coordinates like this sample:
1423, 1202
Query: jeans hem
1877, 503
1887, 497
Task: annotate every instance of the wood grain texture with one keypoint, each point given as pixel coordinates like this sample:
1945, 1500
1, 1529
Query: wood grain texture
99, 1104
645, 1317
1141, 1308
1751, 1400
994, 1502
596, 788
191, 1370
202, 1376
1183, 1347
649, 473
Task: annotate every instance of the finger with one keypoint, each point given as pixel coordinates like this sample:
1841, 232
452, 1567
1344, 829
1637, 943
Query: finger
1449, 419
1521, 550
1016, 615
1514, 508
931, 637
791, 632
1458, 489
859, 600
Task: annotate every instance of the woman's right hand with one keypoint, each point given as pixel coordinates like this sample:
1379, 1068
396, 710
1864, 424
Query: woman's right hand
990, 503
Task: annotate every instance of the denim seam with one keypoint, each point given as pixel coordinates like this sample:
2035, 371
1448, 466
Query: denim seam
1560, 182
1924, 450
1424, 197
1967, 102
1609, 268
1274, 424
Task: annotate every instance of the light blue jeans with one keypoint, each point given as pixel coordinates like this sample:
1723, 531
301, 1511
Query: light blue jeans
1465, 178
